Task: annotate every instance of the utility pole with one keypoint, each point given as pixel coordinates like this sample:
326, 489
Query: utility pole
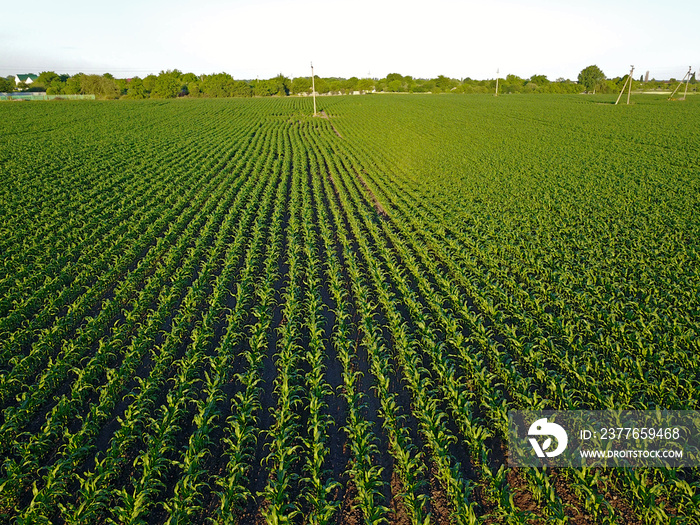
687, 81
629, 80
686, 78
497, 72
313, 87
629, 93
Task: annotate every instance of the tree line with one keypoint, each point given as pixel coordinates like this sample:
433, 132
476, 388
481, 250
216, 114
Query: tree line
175, 83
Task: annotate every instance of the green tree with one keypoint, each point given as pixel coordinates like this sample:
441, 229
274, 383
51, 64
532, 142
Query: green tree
394, 86
444, 83
190, 83
51, 82
282, 85
193, 89
322, 85
540, 80
149, 83
350, 84
512, 84
241, 88
54, 89
424, 86
73, 84
335, 86
591, 78
264, 88
394, 82
217, 85
365, 84
189, 77
301, 85
7, 84
101, 86
135, 89
47, 77
122, 84
167, 85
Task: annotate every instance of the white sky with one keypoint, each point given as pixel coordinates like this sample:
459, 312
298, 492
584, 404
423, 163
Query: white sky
344, 38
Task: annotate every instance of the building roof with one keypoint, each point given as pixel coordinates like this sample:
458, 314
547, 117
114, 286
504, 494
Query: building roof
23, 78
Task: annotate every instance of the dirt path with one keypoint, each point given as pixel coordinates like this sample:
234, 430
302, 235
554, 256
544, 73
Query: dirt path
377, 205
323, 114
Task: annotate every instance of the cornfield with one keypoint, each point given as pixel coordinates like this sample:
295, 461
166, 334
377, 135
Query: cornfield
229, 311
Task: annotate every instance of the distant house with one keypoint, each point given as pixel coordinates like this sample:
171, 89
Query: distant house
27, 79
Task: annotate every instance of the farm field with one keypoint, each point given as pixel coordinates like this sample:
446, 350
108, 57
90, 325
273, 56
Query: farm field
228, 311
